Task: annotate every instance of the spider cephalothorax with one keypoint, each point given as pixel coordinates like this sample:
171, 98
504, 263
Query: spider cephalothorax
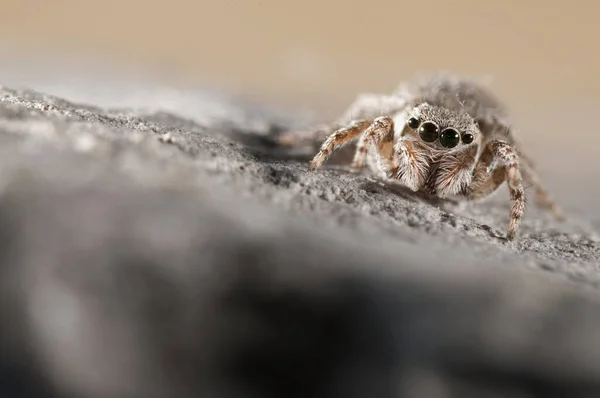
444, 136
441, 128
439, 147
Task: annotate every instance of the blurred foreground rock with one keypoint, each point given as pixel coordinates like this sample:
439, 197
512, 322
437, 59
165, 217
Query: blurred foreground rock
147, 255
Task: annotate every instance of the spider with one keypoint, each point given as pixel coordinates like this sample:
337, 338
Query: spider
445, 136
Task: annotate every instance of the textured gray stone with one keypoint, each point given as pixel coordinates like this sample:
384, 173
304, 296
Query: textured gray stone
146, 254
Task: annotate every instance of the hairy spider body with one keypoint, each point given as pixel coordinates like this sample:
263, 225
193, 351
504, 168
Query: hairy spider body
444, 136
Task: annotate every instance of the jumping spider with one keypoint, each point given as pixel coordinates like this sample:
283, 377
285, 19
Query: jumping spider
444, 136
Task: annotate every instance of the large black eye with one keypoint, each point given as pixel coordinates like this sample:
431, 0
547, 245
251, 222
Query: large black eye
467, 138
413, 123
449, 138
429, 132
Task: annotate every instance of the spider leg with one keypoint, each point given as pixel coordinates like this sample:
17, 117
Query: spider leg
542, 196
530, 176
337, 139
499, 162
381, 134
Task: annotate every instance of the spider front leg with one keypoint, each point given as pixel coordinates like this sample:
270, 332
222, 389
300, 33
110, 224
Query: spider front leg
381, 134
499, 162
337, 139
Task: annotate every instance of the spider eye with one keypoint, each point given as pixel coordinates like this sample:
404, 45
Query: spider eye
413, 123
449, 138
429, 131
467, 138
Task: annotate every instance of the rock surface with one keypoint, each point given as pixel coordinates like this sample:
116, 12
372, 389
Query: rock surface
150, 255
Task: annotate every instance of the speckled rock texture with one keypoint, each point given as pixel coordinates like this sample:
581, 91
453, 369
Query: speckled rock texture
146, 254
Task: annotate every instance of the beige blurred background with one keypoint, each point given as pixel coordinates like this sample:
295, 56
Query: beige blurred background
543, 55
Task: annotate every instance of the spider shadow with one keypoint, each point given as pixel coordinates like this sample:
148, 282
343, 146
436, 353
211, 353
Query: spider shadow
265, 147
396, 188
451, 208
